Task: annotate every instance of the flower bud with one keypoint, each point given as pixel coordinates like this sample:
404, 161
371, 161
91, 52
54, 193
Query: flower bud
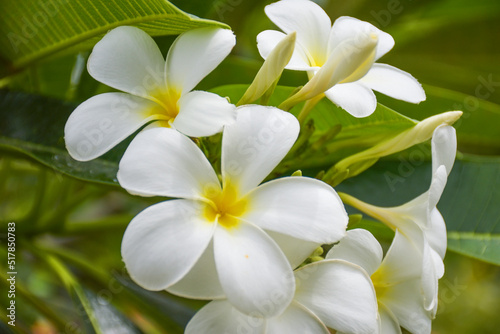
271, 70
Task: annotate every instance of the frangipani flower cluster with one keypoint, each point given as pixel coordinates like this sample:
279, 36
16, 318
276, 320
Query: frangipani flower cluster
339, 60
229, 232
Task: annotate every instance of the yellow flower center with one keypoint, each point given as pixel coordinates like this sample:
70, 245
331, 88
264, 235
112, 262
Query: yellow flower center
225, 207
379, 283
167, 107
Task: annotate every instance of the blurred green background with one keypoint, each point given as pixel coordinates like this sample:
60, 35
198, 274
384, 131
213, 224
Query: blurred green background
69, 231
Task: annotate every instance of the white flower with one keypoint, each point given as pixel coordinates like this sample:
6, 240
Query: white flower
331, 293
342, 55
419, 220
216, 240
396, 279
129, 60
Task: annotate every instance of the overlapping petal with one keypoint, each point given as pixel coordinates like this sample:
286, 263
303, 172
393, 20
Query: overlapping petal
203, 114
267, 41
341, 294
103, 121
388, 322
296, 250
301, 207
403, 259
357, 99
155, 242
405, 303
310, 22
163, 162
195, 54
255, 144
296, 320
346, 27
220, 317
253, 271
359, 247
202, 281
444, 148
128, 59
395, 83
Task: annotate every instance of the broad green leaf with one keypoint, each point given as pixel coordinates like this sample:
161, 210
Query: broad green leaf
32, 30
356, 134
477, 130
469, 203
34, 126
99, 315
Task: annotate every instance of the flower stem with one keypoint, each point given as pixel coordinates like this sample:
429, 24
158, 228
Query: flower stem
369, 209
308, 107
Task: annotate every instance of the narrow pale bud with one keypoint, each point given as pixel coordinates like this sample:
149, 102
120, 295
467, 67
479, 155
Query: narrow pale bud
350, 60
271, 70
420, 133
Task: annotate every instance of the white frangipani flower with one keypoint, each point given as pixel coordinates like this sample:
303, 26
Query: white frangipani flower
342, 55
419, 220
330, 294
396, 279
223, 240
129, 60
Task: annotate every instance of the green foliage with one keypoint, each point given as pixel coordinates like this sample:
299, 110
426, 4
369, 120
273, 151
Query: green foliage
33, 30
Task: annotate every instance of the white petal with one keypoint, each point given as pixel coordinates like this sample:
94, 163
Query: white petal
403, 260
163, 162
444, 147
202, 281
253, 271
341, 294
296, 320
346, 27
252, 146
267, 41
295, 250
388, 321
436, 233
128, 59
395, 83
308, 19
219, 317
103, 121
196, 53
438, 183
163, 242
346, 64
355, 98
404, 300
301, 207
359, 247
432, 269
203, 114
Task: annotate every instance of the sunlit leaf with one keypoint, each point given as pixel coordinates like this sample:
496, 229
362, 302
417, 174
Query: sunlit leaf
31, 30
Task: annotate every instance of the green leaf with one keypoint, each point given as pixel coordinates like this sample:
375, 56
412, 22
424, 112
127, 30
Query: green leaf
99, 313
32, 30
469, 203
34, 126
356, 134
